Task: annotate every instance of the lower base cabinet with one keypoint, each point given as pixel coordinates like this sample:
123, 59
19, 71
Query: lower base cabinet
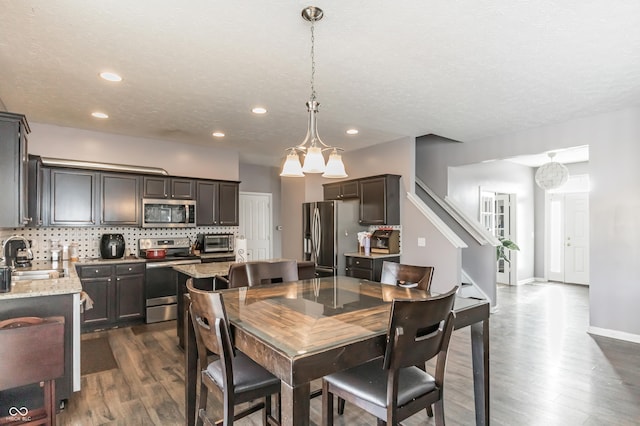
367, 268
117, 294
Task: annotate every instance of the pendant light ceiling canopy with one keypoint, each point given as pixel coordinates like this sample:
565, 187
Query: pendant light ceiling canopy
312, 147
552, 175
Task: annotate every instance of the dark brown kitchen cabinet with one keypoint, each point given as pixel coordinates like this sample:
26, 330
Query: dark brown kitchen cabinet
380, 200
166, 187
72, 197
36, 191
117, 292
14, 173
120, 199
217, 203
367, 268
130, 298
341, 190
97, 283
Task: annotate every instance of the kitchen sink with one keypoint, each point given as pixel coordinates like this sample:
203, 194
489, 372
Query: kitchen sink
39, 274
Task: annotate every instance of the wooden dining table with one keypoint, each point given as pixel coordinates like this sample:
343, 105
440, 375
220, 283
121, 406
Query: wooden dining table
303, 330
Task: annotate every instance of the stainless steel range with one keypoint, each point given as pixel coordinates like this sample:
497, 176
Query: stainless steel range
161, 283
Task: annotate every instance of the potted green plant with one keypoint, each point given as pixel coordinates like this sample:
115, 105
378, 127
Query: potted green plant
505, 244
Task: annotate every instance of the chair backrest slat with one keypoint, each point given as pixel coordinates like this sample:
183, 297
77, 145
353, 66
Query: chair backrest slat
418, 329
259, 273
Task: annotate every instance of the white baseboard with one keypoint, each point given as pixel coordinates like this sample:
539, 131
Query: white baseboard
614, 334
526, 281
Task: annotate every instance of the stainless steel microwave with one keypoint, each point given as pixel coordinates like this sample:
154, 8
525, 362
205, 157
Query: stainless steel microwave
158, 213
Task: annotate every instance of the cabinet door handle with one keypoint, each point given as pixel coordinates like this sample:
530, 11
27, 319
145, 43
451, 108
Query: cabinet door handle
97, 271
108, 280
26, 220
118, 279
130, 269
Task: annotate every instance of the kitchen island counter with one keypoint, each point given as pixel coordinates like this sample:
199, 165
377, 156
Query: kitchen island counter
204, 270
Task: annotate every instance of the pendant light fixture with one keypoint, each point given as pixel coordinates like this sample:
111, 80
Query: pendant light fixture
312, 146
552, 175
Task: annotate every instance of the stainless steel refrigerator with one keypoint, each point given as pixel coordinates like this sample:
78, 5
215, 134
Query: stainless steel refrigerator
330, 229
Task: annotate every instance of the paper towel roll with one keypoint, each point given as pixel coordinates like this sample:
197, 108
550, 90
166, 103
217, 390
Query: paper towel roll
241, 249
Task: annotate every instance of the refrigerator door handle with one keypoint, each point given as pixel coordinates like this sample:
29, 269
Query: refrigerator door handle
316, 231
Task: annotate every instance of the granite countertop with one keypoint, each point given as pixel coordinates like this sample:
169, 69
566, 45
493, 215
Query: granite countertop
101, 261
204, 270
69, 284
372, 255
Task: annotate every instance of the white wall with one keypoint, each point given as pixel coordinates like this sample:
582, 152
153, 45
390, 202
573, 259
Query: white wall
504, 177
614, 201
176, 158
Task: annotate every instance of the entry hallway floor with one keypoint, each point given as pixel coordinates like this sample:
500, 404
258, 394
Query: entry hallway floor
545, 370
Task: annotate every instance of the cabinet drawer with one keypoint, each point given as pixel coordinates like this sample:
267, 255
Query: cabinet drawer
130, 269
365, 274
360, 262
94, 271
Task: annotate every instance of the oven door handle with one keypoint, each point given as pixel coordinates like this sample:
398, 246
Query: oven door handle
153, 265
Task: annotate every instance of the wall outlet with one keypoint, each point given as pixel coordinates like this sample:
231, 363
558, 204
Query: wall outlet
422, 242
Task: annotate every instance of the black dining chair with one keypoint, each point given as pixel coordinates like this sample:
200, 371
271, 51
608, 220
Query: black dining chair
403, 275
235, 375
392, 388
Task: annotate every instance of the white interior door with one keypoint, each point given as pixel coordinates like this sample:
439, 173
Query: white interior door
505, 229
568, 238
255, 224
576, 244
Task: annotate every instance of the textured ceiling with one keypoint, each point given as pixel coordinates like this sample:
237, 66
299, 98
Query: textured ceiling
460, 69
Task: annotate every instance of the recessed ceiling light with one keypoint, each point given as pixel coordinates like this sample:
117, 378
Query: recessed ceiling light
352, 131
99, 115
259, 110
110, 76
218, 134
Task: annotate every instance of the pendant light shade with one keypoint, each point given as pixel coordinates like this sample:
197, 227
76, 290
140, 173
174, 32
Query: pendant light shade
312, 147
292, 166
552, 175
335, 166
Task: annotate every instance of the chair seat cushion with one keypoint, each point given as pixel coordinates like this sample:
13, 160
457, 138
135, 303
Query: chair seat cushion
369, 382
247, 374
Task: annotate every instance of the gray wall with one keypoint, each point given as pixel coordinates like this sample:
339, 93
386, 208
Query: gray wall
614, 201
264, 179
504, 177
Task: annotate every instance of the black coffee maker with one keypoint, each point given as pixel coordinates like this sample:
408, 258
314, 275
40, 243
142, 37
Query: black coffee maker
112, 246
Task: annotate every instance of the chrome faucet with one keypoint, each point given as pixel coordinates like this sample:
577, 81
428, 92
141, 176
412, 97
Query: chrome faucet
15, 238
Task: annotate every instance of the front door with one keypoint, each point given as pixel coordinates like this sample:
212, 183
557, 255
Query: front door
568, 238
255, 224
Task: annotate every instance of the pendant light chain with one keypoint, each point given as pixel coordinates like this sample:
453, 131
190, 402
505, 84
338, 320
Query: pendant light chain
313, 62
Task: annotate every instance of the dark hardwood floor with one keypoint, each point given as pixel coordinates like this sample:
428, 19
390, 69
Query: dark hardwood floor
545, 370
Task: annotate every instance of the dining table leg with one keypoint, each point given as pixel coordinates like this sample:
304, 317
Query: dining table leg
480, 360
191, 368
295, 404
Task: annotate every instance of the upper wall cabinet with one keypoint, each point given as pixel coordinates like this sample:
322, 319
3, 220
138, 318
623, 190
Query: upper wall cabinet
72, 197
164, 187
13, 170
380, 200
120, 199
79, 197
217, 203
341, 190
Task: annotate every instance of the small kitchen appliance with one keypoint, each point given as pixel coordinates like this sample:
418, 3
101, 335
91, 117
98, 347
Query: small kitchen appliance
112, 246
385, 241
215, 243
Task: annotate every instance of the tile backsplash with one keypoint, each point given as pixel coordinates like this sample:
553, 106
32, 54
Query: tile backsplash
88, 239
